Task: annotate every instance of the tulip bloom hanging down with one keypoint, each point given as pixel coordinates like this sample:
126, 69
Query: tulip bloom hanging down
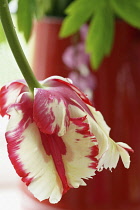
56, 139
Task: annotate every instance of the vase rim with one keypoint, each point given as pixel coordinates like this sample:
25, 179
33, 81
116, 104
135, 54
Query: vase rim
52, 19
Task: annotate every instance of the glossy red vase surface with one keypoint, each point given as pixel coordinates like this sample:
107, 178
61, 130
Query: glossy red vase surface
117, 96
48, 49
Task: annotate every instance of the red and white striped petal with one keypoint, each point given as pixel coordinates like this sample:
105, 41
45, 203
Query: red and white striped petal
81, 149
110, 152
112, 155
51, 105
100, 120
28, 155
99, 133
123, 150
80, 160
95, 129
61, 81
45, 181
9, 94
50, 112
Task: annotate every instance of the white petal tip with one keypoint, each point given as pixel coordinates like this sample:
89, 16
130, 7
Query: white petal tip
54, 200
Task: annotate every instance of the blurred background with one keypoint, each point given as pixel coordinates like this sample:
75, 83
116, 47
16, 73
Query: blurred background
96, 43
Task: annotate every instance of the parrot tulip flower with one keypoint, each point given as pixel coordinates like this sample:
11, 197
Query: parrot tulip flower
56, 139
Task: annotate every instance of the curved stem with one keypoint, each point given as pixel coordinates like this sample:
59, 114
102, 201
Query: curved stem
16, 47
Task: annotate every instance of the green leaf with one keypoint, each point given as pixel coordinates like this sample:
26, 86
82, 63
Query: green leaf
100, 36
84, 4
129, 10
42, 6
2, 34
78, 13
25, 16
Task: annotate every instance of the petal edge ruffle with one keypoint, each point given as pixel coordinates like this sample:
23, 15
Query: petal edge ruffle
9, 94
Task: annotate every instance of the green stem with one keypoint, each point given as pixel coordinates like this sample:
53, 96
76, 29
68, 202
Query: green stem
16, 47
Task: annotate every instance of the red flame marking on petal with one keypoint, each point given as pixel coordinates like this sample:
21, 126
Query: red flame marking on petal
44, 99
14, 137
85, 131
127, 149
92, 156
79, 93
55, 147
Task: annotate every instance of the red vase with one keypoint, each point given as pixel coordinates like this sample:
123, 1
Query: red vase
48, 49
117, 96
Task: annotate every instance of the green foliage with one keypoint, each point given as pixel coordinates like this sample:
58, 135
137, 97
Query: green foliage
129, 10
100, 14
25, 15
100, 36
42, 6
71, 24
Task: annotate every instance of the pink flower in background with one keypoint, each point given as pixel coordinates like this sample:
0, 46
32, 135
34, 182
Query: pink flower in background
76, 58
84, 80
56, 139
